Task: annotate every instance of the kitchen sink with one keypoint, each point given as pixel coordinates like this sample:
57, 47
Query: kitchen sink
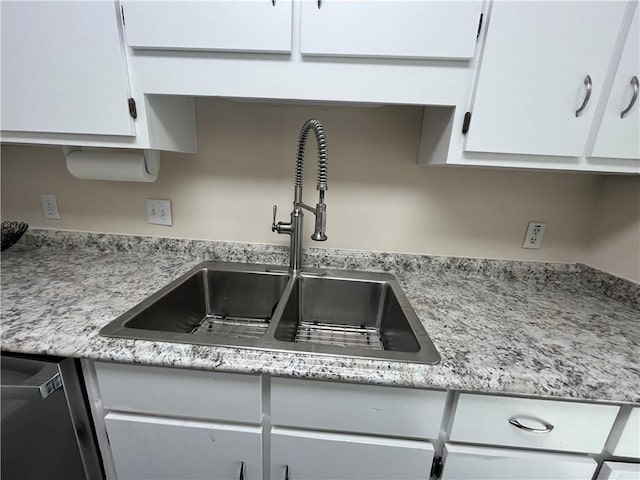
216, 303
357, 314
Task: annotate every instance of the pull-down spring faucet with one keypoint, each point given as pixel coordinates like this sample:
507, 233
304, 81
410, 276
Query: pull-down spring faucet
294, 228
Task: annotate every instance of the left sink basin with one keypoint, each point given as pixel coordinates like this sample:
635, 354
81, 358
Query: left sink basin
216, 303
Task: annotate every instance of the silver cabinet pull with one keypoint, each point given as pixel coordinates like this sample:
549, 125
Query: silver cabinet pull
241, 477
546, 429
588, 84
286, 473
634, 84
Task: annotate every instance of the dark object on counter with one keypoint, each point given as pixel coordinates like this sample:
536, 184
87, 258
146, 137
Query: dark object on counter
11, 233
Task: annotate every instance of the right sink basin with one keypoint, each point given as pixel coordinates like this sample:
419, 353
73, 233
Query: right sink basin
358, 314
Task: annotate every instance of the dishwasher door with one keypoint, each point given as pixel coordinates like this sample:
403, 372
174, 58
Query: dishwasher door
45, 430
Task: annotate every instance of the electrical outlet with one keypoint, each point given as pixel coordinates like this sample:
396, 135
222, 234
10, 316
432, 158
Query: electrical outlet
159, 212
50, 207
533, 237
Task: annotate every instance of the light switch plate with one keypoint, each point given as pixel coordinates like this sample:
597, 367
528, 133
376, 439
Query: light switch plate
159, 212
50, 207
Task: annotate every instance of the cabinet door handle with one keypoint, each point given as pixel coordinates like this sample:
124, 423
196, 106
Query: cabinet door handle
546, 429
634, 84
286, 473
588, 84
241, 477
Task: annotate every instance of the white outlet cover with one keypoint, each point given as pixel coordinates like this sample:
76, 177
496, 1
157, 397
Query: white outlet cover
533, 236
159, 212
50, 207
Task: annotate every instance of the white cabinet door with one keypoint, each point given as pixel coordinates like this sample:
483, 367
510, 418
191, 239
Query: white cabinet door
331, 456
619, 471
231, 25
164, 448
629, 442
620, 137
63, 68
384, 28
531, 82
478, 463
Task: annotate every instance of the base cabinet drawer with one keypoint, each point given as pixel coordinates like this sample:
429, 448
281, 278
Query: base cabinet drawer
368, 409
180, 392
482, 463
619, 471
629, 443
163, 448
532, 423
304, 455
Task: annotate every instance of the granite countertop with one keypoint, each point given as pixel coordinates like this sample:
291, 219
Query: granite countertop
505, 327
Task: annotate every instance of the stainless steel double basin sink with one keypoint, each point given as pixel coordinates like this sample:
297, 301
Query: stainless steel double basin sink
353, 314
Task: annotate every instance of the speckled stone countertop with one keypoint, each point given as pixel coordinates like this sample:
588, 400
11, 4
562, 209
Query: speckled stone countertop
505, 327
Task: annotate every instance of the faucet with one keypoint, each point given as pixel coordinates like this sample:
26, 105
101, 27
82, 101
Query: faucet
294, 227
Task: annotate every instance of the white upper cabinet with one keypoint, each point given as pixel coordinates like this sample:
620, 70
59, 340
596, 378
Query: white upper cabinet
383, 28
619, 136
542, 61
225, 25
63, 68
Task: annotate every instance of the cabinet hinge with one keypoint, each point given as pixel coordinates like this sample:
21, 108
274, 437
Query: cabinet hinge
479, 26
133, 111
436, 467
122, 11
466, 122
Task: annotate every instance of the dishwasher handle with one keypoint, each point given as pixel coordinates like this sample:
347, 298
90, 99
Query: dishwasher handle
46, 381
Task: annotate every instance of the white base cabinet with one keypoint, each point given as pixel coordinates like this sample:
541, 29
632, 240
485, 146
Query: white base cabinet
480, 463
307, 455
165, 448
165, 423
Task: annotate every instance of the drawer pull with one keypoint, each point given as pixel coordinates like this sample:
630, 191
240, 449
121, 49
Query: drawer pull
547, 426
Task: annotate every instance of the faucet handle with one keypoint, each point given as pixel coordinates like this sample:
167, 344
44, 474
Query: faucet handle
274, 227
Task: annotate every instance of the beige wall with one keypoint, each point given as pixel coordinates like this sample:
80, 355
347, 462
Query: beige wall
615, 234
378, 197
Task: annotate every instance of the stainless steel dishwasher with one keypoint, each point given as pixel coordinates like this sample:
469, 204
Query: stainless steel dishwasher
45, 432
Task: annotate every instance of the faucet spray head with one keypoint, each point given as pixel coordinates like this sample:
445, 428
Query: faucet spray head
319, 234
